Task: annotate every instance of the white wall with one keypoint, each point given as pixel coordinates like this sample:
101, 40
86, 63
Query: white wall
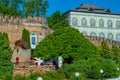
97, 17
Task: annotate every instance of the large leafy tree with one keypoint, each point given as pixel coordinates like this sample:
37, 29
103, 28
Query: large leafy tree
68, 42
26, 36
56, 20
36, 7
71, 44
25, 8
6, 66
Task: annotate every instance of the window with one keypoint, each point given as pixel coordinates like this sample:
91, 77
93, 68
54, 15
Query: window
84, 33
92, 34
110, 36
84, 22
118, 37
101, 23
33, 40
92, 22
109, 23
40, 37
102, 35
117, 24
74, 21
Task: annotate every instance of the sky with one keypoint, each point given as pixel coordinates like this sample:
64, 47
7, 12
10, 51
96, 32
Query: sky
65, 5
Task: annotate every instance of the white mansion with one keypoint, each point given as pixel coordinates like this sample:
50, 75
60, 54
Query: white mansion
95, 21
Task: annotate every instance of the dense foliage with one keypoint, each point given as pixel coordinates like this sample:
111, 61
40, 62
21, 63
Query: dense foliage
116, 54
67, 42
6, 66
56, 20
84, 57
26, 37
24, 8
8, 11
71, 44
106, 51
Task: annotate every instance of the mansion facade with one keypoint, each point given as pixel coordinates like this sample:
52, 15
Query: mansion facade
95, 21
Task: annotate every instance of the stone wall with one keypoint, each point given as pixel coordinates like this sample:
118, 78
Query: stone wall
10, 20
28, 69
14, 26
97, 41
22, 54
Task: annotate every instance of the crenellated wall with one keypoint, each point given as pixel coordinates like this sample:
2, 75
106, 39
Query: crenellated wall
14, 26
10, 20
97, 41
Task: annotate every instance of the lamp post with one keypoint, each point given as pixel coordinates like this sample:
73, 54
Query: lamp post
101, 72
39, 78
77, 75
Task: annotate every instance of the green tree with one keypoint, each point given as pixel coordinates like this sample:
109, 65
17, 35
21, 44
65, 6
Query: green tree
24, 8
68, 42
57, 20
36, 7
106, 51
110, 68
6, 66
29, 6
44, 7
26, 36
5, 2
6, 10
15, 4
116, 54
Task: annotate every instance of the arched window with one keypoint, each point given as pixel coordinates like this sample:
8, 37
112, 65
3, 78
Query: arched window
92, 34
110, 36
84, 33
109, 23
117, 24
92, 22
33, 40
84, 22
101, 23
102, 35
74, 21
118, 37
40, 37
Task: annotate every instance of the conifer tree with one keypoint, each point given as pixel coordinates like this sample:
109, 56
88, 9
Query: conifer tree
57, 20
26, 36
106, 51
116, 54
